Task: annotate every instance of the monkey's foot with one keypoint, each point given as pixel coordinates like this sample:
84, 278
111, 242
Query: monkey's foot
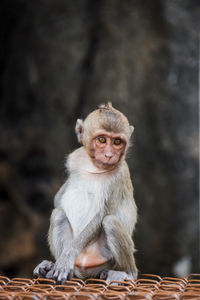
110, 275
60, 275
42, 269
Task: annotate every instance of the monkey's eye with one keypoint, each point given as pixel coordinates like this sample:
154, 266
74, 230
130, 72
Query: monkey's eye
102, 139
117, 141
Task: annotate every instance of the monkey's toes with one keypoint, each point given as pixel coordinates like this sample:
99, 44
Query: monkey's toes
133, 276
111, 275
104, 274
42, 269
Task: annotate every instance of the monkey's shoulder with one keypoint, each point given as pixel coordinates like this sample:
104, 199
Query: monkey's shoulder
124, 172
79, 161
71, 161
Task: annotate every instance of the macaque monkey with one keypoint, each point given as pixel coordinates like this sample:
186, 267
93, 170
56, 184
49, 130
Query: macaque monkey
91, 226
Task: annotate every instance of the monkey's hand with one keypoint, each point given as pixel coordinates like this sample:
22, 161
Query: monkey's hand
63, 268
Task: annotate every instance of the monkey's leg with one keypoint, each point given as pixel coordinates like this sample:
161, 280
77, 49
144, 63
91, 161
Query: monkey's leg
66, 248
121, 247
60, 232
60, 235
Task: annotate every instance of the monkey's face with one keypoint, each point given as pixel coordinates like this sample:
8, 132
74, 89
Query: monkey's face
107, 149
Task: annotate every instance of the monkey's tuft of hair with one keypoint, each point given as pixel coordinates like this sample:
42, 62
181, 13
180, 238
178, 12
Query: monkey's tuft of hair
107, 106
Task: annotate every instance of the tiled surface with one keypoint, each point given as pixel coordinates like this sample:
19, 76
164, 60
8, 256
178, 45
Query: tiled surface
147, 286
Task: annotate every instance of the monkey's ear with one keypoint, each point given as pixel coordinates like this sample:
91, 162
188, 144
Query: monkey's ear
131, 129
79, 129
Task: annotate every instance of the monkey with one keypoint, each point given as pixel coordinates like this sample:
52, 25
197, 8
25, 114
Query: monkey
95, 214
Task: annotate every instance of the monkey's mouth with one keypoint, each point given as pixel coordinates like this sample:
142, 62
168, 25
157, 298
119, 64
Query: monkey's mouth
107, 162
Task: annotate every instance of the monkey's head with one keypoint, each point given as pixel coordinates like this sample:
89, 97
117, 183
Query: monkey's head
105, 134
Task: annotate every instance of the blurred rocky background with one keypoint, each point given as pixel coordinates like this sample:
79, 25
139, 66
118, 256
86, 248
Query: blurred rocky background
58, 61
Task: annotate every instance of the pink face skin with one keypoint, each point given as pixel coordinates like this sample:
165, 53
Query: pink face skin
107, 149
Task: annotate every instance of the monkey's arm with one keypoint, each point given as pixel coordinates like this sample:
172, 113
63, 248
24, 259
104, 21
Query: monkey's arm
87, 234
64, 265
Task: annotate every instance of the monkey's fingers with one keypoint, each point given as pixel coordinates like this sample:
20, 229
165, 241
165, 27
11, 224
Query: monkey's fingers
49, 274
60, 275
70, 274
65, 274
42, 272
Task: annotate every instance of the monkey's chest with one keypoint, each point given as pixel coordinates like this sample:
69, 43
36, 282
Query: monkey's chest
81, 203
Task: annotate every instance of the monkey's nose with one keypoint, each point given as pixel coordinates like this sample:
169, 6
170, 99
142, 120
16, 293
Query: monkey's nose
108, 155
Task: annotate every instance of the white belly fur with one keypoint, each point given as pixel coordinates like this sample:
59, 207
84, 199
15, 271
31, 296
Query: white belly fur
81, 201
